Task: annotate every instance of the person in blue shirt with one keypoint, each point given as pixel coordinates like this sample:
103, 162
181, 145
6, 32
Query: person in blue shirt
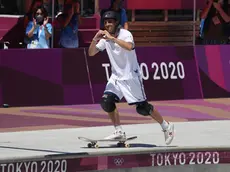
39, 31
116, 5
69, 22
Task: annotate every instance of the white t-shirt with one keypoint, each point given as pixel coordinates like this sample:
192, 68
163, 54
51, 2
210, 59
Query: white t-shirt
123, 62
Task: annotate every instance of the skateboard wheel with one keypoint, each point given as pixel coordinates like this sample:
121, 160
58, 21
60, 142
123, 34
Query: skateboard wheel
89, 145
127, 145
96, 146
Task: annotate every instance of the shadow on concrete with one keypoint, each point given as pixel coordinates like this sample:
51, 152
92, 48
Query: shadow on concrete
31, 149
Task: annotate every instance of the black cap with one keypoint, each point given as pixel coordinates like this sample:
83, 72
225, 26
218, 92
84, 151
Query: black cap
111, 15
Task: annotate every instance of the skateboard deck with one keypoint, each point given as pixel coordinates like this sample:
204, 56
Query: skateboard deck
94, 142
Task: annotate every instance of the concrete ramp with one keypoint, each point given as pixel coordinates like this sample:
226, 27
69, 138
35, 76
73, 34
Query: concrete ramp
196, 143
202, 139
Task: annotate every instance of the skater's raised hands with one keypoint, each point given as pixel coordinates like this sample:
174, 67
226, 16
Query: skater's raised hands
107, 35
99, 35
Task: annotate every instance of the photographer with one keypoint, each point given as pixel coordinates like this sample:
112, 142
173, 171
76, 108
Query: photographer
216, 22
69, 22
39, 30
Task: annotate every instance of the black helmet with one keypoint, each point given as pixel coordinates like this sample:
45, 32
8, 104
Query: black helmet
111, 15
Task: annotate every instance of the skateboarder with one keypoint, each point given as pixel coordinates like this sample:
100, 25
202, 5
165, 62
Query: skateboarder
126, 79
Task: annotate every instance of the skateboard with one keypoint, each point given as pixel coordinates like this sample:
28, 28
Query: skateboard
94, 143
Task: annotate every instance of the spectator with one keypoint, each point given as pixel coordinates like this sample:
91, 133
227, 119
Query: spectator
216, 22
69, 22
116, 5
47, 5
39, 30
29, 15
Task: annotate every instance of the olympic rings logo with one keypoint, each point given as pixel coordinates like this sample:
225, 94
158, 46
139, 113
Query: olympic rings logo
118, 161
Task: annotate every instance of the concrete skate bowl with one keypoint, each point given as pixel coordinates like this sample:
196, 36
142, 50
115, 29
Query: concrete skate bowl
209, 114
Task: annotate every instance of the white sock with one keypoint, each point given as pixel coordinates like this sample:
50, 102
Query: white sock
164, 125
118, 128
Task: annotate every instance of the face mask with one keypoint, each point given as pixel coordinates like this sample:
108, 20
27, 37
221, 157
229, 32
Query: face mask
39, 19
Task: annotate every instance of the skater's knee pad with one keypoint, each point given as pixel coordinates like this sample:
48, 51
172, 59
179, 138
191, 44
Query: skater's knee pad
108, 102
144, 108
